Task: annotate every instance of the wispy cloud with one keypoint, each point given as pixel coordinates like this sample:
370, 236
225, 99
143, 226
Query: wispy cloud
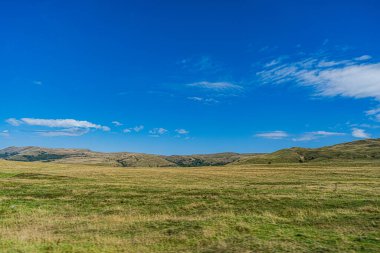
182, 131
138, 128
64, 132
316, 135
156, 132
370, 126
273, 135
14, 122
216, 86
363, 58
64, 123
374, 114
360, 133
308, 136
116, 123
4, 133
347, 78
135, 129
275, 62
68, 127
272, 63
204, 100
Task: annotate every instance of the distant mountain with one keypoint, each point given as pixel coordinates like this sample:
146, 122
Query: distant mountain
367, 150
84, 156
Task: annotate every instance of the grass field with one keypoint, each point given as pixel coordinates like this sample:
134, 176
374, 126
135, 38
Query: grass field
284, 208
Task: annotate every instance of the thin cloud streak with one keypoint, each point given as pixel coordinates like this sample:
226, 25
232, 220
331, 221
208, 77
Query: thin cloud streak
64, 132
309, 136
68, 127
65, 123
4, 133
216, 86
273, 135
181, 131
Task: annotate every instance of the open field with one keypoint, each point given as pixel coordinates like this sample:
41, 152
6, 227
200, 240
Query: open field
47, 207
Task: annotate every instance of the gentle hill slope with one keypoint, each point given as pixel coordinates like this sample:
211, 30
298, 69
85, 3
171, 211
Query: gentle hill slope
363, 150
83, 156
123, 159
358, 150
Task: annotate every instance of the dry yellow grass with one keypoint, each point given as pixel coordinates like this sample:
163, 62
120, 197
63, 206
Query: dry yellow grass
48, 207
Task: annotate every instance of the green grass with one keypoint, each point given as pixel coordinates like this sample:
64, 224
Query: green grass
48, 207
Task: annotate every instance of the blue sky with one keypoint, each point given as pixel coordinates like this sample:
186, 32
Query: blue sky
183, 77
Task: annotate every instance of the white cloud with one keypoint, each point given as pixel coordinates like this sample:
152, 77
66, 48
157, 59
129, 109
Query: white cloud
116, 123
204, 100
360, 133
13, 122
273, 135
64, 123
273, 62
373, 111
308, 136
316, 135
136, 129
196, 98
374, 114
4, 133
326, 64
69, 127
182, 131
158, 131
216, 86
347, 78
363, 58
365, 126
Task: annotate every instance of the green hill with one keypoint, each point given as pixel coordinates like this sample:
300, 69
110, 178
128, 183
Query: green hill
352, 151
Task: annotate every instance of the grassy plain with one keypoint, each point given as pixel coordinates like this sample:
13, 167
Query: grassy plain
47, 207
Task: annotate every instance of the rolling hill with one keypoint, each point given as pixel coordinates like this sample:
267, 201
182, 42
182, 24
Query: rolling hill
361, 150
367, 150
123, 159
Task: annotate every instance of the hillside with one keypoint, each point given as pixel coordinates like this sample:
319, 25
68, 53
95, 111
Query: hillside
123, 159
367, 150
358, 150
82, 156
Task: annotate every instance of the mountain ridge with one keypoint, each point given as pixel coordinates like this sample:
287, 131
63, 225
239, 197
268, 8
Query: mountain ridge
368, 149
122, 159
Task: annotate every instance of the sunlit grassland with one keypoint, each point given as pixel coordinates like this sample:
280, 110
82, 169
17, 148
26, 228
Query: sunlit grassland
48, 207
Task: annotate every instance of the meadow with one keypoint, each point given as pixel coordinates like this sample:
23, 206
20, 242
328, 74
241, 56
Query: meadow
51, 207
